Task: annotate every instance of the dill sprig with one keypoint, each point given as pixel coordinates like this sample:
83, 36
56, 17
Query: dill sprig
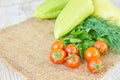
105, 27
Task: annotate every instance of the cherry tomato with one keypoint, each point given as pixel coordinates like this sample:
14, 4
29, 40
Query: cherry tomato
95, 65
101, 46
72, 61
91, 52
57, 56
71, 49
58, 44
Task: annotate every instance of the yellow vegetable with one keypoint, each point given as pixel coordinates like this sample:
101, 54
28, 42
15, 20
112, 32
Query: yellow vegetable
106, 10
50, 9
75, 12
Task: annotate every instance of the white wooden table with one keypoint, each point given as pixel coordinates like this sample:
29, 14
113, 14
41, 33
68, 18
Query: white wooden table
15, 11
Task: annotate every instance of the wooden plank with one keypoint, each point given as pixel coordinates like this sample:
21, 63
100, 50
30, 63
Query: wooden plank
12, 15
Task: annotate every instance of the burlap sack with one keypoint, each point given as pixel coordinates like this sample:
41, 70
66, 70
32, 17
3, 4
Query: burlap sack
26, 46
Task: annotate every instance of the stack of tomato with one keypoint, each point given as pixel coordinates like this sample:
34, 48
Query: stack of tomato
70, 55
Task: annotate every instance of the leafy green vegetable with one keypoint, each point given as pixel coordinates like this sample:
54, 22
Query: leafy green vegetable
92, 29
107, 31
84, 45
81, 38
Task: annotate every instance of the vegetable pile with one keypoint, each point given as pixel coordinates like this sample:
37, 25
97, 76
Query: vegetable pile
66, 22
69, 54
93, 29
59, 53
105, 29
84, 29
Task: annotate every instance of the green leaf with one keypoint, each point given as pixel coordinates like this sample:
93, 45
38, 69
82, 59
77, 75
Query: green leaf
86, 44
76, 31
84, 36
65, 40
75, 40
92, 33
81, 51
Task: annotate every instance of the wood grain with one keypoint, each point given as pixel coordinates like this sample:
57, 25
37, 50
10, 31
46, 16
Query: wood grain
13, 12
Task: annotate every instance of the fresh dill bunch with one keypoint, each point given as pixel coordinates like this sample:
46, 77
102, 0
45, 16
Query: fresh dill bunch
102, 26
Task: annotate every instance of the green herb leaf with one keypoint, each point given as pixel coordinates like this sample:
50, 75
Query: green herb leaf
86, 44
81, 51
75, 40
92, 33
77, 31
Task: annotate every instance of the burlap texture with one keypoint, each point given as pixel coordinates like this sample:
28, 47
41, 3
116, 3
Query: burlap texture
26, 46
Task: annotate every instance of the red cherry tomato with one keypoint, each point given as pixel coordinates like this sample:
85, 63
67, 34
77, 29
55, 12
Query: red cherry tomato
91, 52
101, 46
72, 61
58, 44
95, 65
71, 49
57, 56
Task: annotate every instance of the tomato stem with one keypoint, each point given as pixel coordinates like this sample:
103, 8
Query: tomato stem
57, 55
71, 56
98, 67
